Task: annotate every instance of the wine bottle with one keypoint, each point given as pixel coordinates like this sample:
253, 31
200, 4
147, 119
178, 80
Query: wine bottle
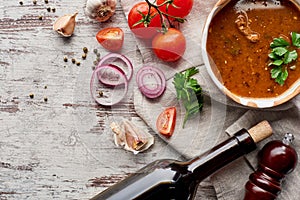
276, 159
175, 180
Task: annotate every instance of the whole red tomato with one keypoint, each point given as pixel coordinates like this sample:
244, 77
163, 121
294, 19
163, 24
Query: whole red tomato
111, 38
169, 46
141, 24
178, 8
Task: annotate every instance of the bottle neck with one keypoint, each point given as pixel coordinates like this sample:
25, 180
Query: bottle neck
211, 161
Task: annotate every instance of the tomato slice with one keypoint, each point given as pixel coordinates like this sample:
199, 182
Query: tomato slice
166, 121
111, 38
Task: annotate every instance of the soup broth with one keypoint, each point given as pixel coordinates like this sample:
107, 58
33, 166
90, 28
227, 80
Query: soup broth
241, 54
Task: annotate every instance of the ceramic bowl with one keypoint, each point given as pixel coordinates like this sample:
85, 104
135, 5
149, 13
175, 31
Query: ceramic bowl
291, 92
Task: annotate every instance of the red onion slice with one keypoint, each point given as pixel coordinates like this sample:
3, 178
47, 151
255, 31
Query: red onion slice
109, 59
108, 95
153, 89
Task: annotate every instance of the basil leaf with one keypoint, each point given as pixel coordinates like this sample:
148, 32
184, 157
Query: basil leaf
279, 42
280, 51
296, 39
290, 56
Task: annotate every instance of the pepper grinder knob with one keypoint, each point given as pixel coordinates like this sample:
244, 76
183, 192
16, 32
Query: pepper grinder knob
276, 159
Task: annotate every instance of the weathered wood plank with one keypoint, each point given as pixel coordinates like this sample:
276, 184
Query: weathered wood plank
61, 148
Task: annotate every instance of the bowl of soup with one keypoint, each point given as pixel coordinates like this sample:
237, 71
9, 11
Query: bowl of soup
251, 49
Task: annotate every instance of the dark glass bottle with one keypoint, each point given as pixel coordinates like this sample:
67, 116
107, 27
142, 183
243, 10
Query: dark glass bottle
276, 159
174, 180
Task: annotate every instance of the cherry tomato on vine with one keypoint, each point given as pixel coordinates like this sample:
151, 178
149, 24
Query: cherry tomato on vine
169, 46
166, 121
178, 8
142, 25
111, 38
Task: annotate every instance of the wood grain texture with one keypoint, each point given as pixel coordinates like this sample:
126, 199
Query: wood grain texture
61, 148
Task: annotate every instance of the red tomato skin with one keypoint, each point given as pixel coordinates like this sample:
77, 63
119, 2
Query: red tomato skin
169, 46
184, 7
166, 122
140, 30
111, 38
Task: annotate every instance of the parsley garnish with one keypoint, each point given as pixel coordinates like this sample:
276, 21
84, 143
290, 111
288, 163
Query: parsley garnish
189, 92
282, 55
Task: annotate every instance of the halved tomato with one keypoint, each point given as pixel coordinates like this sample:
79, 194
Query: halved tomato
166, 121
111, 38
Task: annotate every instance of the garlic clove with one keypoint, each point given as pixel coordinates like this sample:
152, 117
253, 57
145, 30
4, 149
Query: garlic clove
100, 10
65, 25
130, 137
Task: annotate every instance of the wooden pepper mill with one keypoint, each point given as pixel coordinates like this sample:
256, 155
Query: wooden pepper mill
276, 159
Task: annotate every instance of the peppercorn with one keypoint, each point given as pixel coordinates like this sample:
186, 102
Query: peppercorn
48, 9
21, 3
46, 1
34, 2
53, 9
73, 60
98, 55
77, 63
66, 59
100, 93
95, 51
46, 87
40, 17
96, 62
85, 50
45, 99
31, 95
83, 56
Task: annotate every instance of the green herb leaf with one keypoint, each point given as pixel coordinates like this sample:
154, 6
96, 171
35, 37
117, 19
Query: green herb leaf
279, 75
276, 63
279, 51
282, 55
273, 56
189, 92
290, 56
279, 42
296, 39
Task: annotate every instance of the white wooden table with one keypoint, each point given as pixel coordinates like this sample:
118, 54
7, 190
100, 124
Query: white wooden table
57, 145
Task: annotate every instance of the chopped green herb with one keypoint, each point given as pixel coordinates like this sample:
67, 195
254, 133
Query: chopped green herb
189, 92
282, 55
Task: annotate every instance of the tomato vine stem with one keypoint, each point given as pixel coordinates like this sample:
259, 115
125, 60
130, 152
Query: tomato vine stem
163, 15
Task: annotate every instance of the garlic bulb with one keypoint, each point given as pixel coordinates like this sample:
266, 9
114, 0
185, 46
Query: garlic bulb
65, 25
100, 10
130, 137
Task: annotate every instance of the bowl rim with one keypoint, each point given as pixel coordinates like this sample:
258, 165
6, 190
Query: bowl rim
265, 102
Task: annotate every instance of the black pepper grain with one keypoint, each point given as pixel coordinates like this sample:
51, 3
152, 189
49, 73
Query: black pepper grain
45, 99
48, 9
46, 1
21, 3
66, 59
85, 50
78, 63
34, 2
40, 17
31, 95
53, 9
84, 56
73, 60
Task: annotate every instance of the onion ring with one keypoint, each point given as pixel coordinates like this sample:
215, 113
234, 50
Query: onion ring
107, 59
147, 89
108, 95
